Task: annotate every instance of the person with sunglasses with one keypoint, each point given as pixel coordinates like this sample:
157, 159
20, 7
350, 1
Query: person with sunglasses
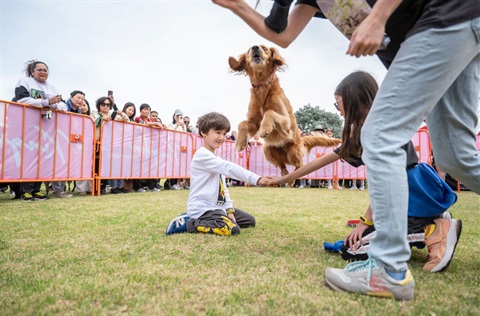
186, 121
103, 105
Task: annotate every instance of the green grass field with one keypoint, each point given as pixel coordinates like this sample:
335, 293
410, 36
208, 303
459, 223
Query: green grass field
109, 255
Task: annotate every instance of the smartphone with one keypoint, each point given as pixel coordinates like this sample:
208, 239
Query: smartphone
110, 93
113, 115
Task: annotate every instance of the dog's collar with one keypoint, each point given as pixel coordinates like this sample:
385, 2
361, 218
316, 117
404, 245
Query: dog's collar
266, 82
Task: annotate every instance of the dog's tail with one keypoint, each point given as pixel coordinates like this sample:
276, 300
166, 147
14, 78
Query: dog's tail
319, 140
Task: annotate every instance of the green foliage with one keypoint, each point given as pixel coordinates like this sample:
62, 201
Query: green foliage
309, 116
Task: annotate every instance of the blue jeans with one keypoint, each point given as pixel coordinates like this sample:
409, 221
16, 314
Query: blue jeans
116, 183
435, 76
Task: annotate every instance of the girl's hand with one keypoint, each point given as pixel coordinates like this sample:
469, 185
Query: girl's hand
355, 236
106, 118
275, 180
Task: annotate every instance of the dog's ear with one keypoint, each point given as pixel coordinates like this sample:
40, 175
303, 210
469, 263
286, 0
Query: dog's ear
237, 65
278, 61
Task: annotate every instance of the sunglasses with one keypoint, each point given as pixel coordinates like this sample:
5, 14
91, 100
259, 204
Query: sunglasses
106, 104
186, 122
336, 105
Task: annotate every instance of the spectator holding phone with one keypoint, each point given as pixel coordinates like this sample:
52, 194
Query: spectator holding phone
177, 125
177, 122
35, 90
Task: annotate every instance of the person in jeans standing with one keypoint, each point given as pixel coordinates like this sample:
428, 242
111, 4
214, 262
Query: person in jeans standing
433, 65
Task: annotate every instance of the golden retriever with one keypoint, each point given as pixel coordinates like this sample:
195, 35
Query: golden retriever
270, 113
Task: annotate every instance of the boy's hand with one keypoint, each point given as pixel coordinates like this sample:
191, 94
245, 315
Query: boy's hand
263, 181
232, 217
275, 180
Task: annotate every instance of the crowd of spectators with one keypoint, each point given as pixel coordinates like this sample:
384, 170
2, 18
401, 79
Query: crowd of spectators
36, 90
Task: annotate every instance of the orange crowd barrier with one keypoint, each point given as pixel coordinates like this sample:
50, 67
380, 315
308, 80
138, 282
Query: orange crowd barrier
34, 147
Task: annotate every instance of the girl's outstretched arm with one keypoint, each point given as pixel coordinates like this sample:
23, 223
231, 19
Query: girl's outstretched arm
308, 168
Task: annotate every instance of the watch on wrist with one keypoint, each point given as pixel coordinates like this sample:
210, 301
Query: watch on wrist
364, 220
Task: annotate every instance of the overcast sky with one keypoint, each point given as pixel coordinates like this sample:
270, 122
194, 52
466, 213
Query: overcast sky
170, 54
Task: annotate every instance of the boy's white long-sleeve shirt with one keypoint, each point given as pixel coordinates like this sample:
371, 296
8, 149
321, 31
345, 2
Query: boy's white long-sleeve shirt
208, 190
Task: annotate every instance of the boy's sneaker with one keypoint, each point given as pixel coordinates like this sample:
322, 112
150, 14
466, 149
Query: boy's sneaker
177, 225
370, 278
441, 239
39, 196
141, 190
27, 197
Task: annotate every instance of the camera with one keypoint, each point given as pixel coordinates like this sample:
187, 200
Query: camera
47, 114
180, 118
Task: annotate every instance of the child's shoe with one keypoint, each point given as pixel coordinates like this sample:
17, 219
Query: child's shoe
177, 225
441, 239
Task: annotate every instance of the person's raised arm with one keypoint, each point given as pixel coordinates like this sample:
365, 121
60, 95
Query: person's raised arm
308, 168
297, 20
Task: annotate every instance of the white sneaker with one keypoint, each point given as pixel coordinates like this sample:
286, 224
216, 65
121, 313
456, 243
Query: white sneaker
155, 190
301, 187
370, 278
362, 188
329, 187
176, 187
353, 187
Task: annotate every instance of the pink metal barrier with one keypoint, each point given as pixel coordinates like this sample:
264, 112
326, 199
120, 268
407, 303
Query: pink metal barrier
35, 148
227, 151
133, 151
421, 141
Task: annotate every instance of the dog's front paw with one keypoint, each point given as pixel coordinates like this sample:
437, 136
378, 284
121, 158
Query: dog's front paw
265, 131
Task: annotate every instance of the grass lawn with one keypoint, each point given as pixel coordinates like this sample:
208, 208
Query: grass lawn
109, 255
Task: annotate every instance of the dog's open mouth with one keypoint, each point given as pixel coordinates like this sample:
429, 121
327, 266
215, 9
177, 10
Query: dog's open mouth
257, 58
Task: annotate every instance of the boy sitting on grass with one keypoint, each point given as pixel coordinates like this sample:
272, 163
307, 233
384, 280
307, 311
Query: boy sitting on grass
209, 207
